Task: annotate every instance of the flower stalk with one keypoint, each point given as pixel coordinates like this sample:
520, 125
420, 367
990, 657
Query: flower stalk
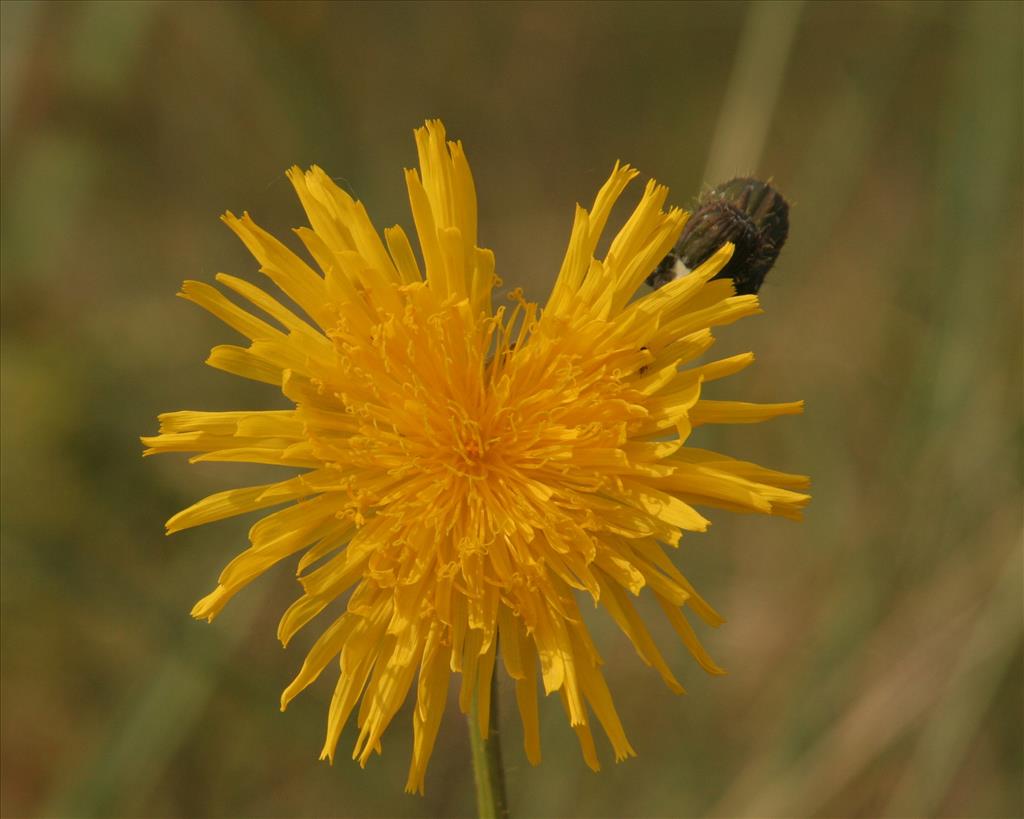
488, 770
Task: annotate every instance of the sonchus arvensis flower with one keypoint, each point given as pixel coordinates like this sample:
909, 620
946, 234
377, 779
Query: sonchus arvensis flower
469, 475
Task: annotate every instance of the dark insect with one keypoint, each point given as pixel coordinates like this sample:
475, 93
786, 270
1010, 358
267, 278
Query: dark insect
747, 212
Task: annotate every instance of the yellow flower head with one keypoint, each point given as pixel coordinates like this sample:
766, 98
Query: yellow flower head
466, 470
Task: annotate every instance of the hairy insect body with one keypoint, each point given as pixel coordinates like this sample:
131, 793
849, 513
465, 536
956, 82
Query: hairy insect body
745, 211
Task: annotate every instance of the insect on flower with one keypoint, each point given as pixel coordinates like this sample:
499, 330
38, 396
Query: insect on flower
747, 212
467, 474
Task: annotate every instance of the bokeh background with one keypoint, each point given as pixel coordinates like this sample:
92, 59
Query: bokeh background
875, 651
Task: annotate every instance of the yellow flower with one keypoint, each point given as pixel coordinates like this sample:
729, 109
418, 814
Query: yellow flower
468, 470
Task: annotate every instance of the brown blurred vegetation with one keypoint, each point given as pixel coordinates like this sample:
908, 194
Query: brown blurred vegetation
875, 651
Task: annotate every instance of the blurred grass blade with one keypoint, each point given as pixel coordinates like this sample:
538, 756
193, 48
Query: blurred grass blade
985, 660
137, 749
753, 90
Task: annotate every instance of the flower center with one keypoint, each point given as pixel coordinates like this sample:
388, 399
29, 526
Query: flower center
472, 451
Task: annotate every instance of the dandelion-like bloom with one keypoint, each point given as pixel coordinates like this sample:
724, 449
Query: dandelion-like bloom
468, 470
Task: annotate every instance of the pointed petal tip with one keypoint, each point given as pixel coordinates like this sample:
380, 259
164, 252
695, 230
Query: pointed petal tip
623, 754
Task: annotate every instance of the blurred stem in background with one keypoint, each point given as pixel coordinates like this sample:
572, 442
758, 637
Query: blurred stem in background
753, 90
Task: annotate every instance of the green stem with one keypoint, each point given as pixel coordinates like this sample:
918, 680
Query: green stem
488, 771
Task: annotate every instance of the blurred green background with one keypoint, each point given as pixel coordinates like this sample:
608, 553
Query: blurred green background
874, 651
